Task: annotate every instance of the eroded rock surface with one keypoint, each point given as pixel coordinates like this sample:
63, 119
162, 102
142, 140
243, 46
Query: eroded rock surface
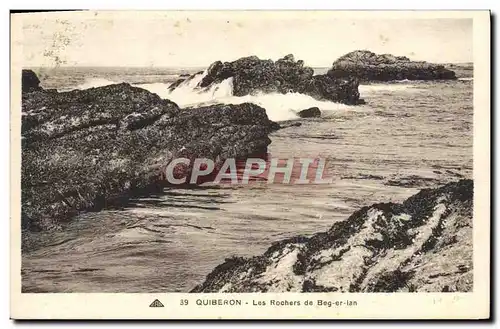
312, 112
368, 66
253, 75
421, 245
93, 148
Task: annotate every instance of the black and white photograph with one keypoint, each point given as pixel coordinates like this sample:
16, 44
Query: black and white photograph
248, 152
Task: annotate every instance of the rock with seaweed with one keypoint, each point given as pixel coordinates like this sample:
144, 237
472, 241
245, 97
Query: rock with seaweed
254, 75
94, 148
421, 245
368, 66
312, 112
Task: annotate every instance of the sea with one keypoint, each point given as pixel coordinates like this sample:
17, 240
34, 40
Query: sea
409, 135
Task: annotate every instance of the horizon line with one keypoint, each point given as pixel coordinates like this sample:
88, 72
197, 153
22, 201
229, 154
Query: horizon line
192, 67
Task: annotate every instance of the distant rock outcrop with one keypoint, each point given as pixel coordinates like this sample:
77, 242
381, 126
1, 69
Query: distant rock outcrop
312, 112
93, 148
421, 245
251, 75
367, 66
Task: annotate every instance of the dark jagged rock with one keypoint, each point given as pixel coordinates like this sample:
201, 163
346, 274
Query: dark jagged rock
94, 148
183, 78
368, 66
30, 81
331, 88
421, 245
252, 75
312, 112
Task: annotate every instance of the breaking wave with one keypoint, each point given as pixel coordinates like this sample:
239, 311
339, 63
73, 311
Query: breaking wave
388, 87
279, 107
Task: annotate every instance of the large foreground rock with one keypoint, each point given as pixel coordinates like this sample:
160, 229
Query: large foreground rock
253, 75
367, 66
421, 245
94, 148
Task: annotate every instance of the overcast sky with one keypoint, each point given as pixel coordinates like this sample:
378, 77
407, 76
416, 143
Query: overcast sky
197, 39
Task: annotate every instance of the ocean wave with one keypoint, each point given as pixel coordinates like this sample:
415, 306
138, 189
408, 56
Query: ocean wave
377, 88
279, 107
94, 82
187, 94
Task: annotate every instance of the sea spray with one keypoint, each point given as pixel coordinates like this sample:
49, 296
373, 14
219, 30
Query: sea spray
187, 93
279, 107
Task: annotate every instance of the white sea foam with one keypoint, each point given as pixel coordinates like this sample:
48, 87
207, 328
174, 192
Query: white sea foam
377, 88
188, 94
279, 107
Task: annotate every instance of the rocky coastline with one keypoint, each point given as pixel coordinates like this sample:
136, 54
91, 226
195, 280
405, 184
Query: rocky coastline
421, 245
253, 75
368, 66
93, 149
85, 150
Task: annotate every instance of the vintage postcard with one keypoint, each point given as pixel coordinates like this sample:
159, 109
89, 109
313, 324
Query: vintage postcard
250, 165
